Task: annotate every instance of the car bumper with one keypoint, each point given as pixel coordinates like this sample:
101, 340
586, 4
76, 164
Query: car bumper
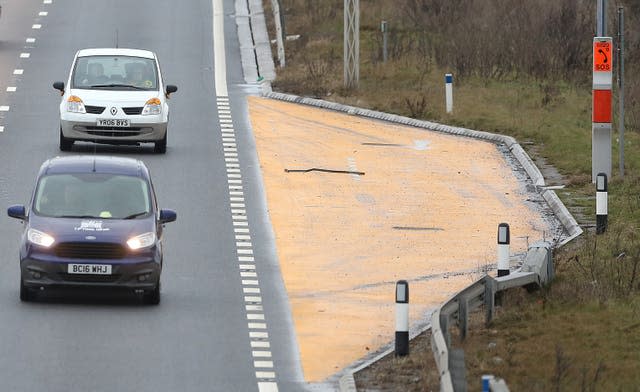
143, 275
84, 127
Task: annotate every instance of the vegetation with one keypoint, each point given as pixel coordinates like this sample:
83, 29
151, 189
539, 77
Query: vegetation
522, 69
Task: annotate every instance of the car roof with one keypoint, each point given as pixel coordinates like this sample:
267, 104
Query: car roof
95, 164
116, 52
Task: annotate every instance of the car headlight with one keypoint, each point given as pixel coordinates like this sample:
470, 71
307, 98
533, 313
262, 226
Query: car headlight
75, 105
142, 241
152, 106
39, 238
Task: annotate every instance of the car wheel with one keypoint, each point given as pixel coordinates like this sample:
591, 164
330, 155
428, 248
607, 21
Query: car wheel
65, 143
161, 145
26, 294
153, 297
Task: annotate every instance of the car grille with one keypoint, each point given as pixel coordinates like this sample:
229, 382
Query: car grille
114, 132
89, 278
84, 250
132, 111
94, 109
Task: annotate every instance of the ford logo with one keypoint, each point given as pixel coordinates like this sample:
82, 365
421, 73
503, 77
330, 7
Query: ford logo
89, 237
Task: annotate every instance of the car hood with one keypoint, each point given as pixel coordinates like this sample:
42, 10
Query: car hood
92, 229
115, 97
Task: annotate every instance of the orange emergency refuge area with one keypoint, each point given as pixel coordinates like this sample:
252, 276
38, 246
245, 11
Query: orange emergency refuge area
426, 210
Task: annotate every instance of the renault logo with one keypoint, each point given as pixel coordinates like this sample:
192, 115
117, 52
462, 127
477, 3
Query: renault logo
114, 111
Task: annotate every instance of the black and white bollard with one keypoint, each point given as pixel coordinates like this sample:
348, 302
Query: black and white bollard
448, 92
402, 318
601, 203
503, 249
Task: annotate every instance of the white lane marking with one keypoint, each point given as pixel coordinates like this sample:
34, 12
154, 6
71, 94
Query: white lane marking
265, 374
11, 89
267, 387
255, 316
244, 251
246, 259
259, 335
243, 244
257, 325
47, 1
4, 108
18, 71
243, 237
251, 290
1, 129
247, 266
220, 61
261, 354
25, 55
253, 299
250, 282
263, 364
260, 344
248, 274
253, 308
36, 26
43, 13
31, 40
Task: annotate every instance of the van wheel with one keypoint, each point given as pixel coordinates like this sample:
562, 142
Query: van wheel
65, 143
153, 297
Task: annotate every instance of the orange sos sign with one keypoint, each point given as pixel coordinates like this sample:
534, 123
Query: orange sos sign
602, 56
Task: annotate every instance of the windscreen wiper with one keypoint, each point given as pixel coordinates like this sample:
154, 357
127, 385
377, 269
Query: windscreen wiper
117, 85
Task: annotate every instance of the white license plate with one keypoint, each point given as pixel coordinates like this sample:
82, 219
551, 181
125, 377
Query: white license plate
113, 122
90, 269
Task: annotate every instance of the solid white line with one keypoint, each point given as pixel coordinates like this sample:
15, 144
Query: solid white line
220, 61
259, 335
263, 364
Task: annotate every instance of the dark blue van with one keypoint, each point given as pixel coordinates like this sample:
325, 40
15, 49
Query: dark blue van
93, 221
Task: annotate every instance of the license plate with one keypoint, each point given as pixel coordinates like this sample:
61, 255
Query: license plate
89, 269
114, 122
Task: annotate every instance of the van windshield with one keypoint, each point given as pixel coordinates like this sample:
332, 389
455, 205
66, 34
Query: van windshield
115, 73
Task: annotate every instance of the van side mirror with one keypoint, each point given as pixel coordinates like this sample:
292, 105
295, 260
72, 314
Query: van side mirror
59, 86
18, 212
170, 89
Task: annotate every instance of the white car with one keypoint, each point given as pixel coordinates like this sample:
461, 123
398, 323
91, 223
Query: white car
114, 96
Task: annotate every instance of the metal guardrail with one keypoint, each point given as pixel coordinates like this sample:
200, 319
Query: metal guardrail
536, 271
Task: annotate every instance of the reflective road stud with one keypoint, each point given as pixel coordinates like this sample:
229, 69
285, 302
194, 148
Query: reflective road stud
402, 318
503, 249
601, 203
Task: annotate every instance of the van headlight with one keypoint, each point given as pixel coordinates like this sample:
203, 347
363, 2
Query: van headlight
75, 105
39, 238
152, 106
142, 241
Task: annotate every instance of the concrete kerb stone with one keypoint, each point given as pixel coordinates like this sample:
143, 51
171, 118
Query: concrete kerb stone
347, 381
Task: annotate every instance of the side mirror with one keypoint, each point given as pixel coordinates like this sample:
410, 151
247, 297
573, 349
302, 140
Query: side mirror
170, 89
59, 86
18, 212
167, 216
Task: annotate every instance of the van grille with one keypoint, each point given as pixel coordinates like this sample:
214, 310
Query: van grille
94, 109
84, 250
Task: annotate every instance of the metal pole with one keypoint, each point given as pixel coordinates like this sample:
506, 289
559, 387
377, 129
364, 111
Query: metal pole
383, 27
621, 87
275, 4
351, 43
601, 18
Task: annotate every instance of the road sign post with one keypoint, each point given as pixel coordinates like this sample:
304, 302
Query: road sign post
601, 116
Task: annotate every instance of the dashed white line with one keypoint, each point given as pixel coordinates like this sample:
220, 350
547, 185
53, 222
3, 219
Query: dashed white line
18, 71
25, 55
36, 26
43, 13
30, 40
263, 364
11, 89
4, 108
259, 335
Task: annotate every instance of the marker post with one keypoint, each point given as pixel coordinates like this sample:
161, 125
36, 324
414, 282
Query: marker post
602, 196
503, 249
402, 318
448, 92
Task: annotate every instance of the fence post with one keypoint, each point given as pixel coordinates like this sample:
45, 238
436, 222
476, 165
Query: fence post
402, 318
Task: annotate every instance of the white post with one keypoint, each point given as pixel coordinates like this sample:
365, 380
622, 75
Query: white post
601, 203
448, 82
503, 249
402, 318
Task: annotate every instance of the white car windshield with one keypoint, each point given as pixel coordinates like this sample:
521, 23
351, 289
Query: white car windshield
92, 195
115, 72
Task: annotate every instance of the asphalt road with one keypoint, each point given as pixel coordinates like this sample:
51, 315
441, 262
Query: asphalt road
224, 323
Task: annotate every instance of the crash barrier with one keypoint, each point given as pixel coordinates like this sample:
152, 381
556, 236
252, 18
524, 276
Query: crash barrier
536, 271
